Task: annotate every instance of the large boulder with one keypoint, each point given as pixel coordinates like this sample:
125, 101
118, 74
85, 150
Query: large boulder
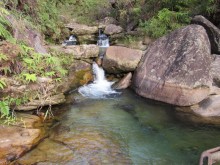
19, 139
77, 51
212, 31
206, 112
215, 70
175, 68
121, 59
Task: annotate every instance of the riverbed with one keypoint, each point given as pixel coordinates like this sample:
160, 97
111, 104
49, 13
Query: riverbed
125, 129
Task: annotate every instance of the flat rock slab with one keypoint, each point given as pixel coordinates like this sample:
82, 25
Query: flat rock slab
81, 29
120, 59
78, 51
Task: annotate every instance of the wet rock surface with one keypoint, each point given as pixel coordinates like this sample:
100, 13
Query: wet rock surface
175, 68
80, 73
19, 139
55, 153
124, 82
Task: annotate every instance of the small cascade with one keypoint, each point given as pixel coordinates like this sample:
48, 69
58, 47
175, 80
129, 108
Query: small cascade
100, 88
103, 43
71, 41
103, 40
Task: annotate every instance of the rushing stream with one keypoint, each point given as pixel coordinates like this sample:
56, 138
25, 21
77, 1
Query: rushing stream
126, 129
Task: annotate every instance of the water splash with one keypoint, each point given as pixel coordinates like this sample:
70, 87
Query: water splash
100, 88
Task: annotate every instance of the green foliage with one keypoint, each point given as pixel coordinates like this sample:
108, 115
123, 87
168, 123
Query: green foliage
4, 109
29, 77
165, 22
4, 24
2, 84
3, 57
5, 114
127, 11
41, 65
88, 11
47, 17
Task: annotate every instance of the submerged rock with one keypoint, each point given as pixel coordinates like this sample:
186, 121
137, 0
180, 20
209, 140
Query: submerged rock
121, 59
76, 145
175, 68
212, 31
48, 152
91, 147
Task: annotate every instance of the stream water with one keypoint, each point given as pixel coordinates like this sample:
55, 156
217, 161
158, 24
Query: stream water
126, 129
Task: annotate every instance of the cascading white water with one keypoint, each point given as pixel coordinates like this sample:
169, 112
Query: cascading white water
103, 40
100, 88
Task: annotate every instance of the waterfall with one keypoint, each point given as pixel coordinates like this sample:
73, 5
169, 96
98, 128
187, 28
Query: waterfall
100, 88
103, 40
103, 43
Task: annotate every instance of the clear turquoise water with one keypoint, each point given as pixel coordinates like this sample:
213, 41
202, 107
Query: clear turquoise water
147, 131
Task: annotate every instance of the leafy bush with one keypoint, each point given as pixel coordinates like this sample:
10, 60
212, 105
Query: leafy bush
38, 65
89, 11
165, 22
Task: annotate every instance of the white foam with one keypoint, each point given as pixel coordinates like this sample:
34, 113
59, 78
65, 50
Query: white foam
100, 88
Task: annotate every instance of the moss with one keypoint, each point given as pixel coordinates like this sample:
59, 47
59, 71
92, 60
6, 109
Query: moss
82, 77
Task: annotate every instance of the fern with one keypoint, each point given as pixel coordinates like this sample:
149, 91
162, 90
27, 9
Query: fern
4, 109
2, 84
4, 23
30, 77
50, 74
3, 57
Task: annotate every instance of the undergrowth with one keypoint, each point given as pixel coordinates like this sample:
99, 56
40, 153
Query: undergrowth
30, 64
